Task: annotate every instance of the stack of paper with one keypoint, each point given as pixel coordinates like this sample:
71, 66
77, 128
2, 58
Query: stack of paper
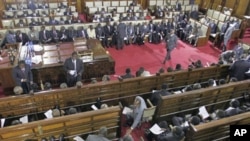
48, 114
203, 112
94, 107
24, 119
156, 129
77, 138
127, 110
2, 122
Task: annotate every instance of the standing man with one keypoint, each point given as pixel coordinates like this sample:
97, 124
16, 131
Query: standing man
74, 69
121, 30
170, 45
23, 76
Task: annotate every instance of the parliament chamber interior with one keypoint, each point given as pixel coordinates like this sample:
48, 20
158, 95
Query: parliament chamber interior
59, 82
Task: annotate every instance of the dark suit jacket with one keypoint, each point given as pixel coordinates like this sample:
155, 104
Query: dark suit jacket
24, 38
67, 13
31, 6
69, 65
80, 33
54, 34
172, 42
41, 35
238, 69
108, 31
69, 22
121, 29
99, 32
53, 22
213, 27
18, 74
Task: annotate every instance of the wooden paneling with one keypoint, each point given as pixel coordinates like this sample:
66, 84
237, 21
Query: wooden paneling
231, 3
242, 7
216, 3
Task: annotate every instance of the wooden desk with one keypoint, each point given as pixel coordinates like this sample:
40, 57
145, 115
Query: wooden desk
51, 67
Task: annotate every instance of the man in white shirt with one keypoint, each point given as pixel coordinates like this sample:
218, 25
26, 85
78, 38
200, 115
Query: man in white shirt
91, 32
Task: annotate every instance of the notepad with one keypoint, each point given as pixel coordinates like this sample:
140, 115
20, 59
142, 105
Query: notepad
77, 138
2, 122
24, 119
156, 129
127, 110
48, 114
203, 112
94, 107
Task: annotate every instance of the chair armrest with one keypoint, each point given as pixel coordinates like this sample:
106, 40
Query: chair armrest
150, 103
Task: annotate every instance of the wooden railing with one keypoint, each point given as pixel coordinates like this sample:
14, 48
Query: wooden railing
218, 129
110, 92
213, 98
79, 124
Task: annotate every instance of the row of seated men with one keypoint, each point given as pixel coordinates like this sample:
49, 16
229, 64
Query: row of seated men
33, 6
102, 33
52, 21
37, 13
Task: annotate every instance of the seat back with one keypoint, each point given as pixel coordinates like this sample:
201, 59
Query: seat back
148, 113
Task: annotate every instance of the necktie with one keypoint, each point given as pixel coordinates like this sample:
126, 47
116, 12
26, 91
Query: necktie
83, 34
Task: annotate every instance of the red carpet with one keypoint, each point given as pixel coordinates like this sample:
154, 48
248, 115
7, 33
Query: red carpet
138, 132
151, 56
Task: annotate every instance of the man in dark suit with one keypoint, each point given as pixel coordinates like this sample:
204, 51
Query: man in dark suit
53, 21
121, 29
238, 69
82, 33
130, 33
67, 12
31, 5
71, 33
194, 14
108, 31
23, 76
63, 34
33, 22
11, 37
156, 95
21, 37
54, 34
44, 35
21, 23
177, 134
43, 22
178, 6
74, 69
213, 27
128, 74
69, 20
170, 45
100, 34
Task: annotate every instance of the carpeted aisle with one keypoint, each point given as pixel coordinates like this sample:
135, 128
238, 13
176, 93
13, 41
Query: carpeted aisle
151, 56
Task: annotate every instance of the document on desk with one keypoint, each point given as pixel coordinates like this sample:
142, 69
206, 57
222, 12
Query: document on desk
94, 107
203, 112
24, 119
156, 129
127, 110
77, 138
2, 122
48, 114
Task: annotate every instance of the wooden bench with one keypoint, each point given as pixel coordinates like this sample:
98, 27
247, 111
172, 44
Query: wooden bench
71, 125
213, 98
217, 129
110, 92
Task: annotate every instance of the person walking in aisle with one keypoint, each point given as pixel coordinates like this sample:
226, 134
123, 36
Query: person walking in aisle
171, 43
